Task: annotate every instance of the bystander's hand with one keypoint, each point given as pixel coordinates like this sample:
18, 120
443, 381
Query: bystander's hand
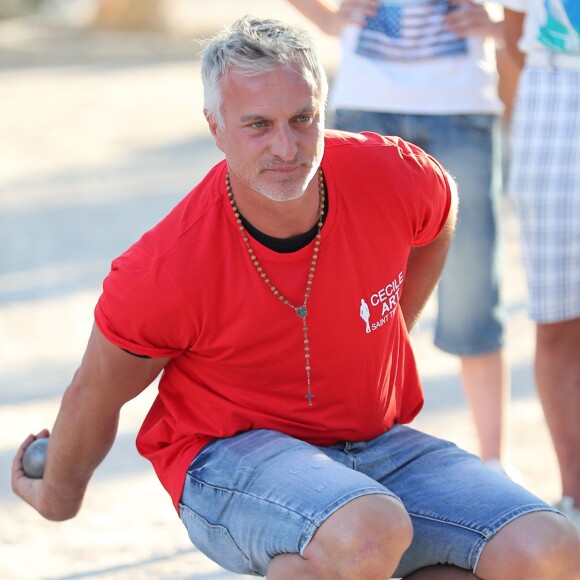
331, 17
471, 19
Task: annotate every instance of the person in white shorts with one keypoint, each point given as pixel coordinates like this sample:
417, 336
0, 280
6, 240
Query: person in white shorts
545, 185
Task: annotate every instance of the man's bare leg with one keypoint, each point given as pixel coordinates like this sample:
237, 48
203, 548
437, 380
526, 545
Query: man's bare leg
537, 545
366, 538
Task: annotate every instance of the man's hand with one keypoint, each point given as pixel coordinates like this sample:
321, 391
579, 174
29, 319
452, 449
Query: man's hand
38, 494
25, 487
85, 428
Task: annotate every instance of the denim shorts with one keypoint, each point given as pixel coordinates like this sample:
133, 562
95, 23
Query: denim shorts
261, 493
470, 319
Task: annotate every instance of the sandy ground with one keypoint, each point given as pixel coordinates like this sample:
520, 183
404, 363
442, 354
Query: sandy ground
100, 137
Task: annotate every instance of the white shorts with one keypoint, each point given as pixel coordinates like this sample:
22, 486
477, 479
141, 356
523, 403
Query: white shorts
545, 186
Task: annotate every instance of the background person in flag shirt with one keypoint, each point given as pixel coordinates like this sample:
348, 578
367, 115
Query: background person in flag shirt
425, 70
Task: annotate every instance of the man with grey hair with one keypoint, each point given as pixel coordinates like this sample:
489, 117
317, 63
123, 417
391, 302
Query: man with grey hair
279, 428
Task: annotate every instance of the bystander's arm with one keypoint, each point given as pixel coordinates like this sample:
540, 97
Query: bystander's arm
331, 16
85, 428
425, 264
513, 26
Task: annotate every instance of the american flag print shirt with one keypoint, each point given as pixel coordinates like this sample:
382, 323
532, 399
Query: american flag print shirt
410, 30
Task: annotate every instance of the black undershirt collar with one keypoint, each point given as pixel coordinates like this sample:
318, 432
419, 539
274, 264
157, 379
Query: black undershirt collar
285, 245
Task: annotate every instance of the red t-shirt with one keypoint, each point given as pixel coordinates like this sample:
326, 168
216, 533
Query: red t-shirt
188, 290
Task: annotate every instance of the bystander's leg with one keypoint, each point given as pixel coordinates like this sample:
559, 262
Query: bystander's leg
557, 367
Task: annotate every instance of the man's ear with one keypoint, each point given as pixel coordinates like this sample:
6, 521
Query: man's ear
213, 128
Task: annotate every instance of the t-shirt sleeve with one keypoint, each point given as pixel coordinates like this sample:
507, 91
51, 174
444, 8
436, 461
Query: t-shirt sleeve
431, 194
140, 310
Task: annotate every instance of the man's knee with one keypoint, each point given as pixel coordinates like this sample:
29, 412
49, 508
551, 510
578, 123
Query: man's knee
538, 545
364, 538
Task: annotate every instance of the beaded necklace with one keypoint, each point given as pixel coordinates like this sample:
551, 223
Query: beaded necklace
301, 311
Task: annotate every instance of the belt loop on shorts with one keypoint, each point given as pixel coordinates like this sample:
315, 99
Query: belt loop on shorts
354, 446
553, 60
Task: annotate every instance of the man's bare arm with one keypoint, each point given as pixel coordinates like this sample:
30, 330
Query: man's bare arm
425, 265
85, 428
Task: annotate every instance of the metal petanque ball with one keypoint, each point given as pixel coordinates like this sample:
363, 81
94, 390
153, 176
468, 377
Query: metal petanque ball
34, 458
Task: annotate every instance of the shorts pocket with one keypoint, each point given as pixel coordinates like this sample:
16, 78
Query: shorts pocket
478, 124
214, 541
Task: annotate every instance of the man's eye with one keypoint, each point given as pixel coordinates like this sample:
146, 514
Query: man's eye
258, 124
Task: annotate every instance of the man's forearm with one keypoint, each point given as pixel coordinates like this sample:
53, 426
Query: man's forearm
81, 438
423, 271
85, 428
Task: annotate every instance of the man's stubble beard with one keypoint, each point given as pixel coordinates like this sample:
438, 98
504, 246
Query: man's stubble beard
286, 188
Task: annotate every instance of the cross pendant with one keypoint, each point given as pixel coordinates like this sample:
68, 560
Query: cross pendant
309, 396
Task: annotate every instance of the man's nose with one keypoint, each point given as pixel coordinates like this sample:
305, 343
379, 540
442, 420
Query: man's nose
284, 144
